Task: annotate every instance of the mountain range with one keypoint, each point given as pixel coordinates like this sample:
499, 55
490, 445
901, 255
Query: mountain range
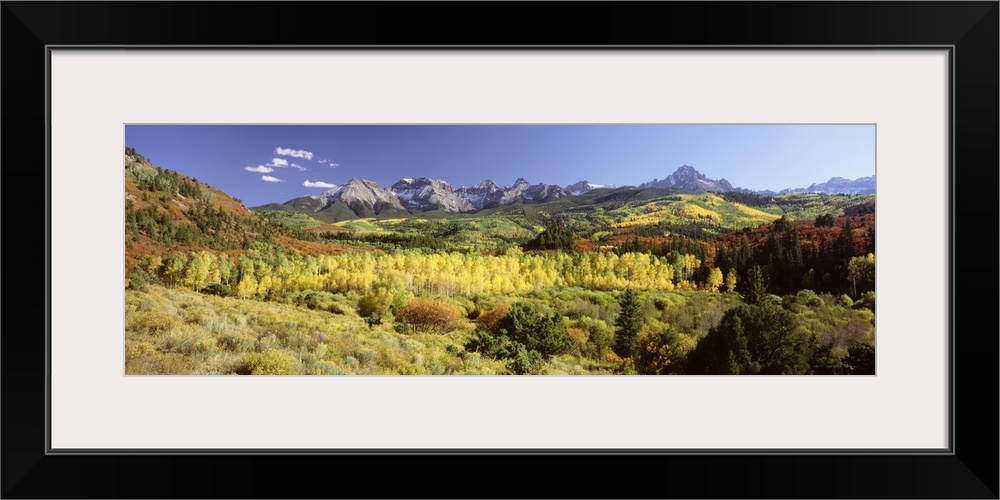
689, 180
366, 198
839, 185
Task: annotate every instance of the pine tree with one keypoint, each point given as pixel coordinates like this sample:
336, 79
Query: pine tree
845, 242
756, 286
629, 322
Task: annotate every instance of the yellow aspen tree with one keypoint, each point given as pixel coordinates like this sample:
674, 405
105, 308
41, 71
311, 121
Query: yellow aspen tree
196, 271
247, 286
731, 280
264, 285
714, 280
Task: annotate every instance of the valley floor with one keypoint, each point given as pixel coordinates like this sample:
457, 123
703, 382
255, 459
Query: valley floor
178, 331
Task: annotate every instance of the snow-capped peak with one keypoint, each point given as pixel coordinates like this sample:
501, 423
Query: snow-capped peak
578, 188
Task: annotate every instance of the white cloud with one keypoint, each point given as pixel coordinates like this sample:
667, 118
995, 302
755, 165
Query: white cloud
324, 161
275, 163
268, 178
294, 153
318, 184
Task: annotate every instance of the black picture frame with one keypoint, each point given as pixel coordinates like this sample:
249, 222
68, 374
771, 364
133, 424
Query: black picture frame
970, 29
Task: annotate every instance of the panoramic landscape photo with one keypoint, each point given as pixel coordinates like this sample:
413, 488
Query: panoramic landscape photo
499, 249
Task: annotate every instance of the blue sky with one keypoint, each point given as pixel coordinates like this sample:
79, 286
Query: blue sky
275, 163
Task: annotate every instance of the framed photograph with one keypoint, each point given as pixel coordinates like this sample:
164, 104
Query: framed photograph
416, 262
325, 187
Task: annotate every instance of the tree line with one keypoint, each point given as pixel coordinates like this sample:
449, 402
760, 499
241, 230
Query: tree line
444, 273
843, 264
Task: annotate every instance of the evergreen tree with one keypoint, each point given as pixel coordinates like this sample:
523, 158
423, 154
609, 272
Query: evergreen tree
795, 257
529, 326
628, 322
743, 255
753, 340
556, 236
825, 220
755, 286
844, 247
860, 359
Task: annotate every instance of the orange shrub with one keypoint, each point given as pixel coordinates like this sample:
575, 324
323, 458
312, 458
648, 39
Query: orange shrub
580, 337
490, 320
429, 314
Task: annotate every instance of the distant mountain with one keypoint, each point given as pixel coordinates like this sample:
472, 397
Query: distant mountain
357, 198
687, 179
838, 185
542, 193
365, 198
513, 194
486, 194
426, 194
578, 188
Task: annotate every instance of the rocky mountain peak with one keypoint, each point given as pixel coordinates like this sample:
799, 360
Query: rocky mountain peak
584, 186
687, 178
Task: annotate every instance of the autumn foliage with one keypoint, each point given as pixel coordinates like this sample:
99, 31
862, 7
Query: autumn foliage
429, 314
659, 286
489, 321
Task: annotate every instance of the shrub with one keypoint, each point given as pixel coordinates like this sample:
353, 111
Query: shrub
866, 301
540, 332
845, 301
580, 337
267, 342
489, 321
662, 352
326, 368
236, 342
809, 298
373, 320
860, 359
524, 361
432, 315
312, 300
600, 337
139, 280
156, 363
382, 301
220, 289
191, 342
152, 322
269, 362
367, 357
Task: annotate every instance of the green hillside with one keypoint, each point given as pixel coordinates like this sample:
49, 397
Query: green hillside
600, 214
